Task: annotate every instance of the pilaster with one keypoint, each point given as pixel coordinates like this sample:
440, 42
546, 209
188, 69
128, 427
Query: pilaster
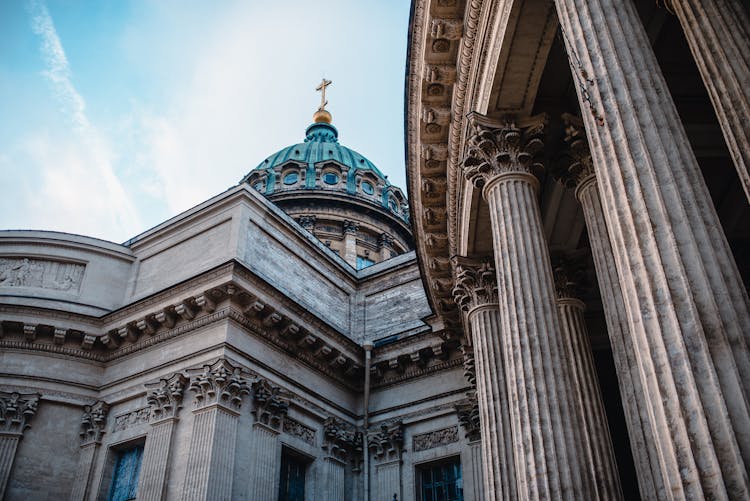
385, 246
688, 312
16, 412
546, 431
386, 446
218, 388
270, 406
476, 294
165, 402
718, 33
93, 426
350, 242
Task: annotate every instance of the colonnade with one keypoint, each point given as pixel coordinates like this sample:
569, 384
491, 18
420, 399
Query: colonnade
677, 312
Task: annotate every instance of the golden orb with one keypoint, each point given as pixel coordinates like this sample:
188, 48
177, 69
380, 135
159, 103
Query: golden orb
322, 116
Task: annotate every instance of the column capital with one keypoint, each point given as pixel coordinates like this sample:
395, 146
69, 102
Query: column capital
385, 240
218, 383
93, 422
16, 411
271, 403
507, 146
568, 275
307, 222
351, 227
578, 170
387, 442
476, 285
342, 441
165, 397
469, 417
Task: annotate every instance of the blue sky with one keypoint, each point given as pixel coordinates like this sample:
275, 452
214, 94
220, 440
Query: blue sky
118, 115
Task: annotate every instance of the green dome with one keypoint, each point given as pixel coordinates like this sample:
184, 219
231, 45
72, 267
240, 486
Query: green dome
322, 144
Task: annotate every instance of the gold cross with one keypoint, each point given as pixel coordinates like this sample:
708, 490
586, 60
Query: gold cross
322, 87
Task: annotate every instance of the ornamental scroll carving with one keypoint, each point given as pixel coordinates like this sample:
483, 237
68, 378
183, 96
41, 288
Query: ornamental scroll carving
387, 442
94, 422
271, 403
475, 285
505, 147
219, 383
40, 274
165, 397
16, 411
343, 441
435, 438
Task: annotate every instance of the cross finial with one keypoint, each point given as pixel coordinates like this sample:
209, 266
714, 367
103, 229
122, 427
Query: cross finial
322, 88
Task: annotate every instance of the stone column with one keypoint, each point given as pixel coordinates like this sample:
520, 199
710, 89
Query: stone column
16, 411
599, 452
476, 294
547, 431
218, 388
718, 33
350, 243
687, 308
93, 426
580, 176
468, 415
386, 446
270, 406
385, 246
165, 402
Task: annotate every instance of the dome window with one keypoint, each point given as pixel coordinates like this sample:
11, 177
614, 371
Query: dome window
330, 178
291, 178
367, 188
393, 204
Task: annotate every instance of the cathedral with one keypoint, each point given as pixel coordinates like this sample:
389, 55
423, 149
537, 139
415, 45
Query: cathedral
557, 311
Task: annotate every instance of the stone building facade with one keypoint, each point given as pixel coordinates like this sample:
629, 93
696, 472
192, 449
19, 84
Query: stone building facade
560, 311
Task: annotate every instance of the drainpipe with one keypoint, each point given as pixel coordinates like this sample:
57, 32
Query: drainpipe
368, 354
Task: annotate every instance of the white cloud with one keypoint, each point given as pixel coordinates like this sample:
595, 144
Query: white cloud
79, 191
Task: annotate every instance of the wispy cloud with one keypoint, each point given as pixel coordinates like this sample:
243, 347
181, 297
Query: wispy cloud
80, 190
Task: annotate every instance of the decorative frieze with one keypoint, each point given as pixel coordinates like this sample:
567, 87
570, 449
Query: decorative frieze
16, 411
435, 438
219, 383
165, 397
94, 422
296, 429
271, 403
40, 274
387, 442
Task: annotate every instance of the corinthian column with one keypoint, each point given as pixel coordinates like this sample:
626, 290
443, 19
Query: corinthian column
93, 427
476, 294
545, 425
16, 411
165, 401
580, 176
599, 451
718, 33
218, 388
686, 306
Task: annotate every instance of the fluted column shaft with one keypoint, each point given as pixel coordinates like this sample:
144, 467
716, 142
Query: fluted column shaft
265, 471
82, 482
718, 33
578, 350
685, 302
334, 479
477, 469
543, 416
8, 446
623, 351
211, 461
152, 480
497, 450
